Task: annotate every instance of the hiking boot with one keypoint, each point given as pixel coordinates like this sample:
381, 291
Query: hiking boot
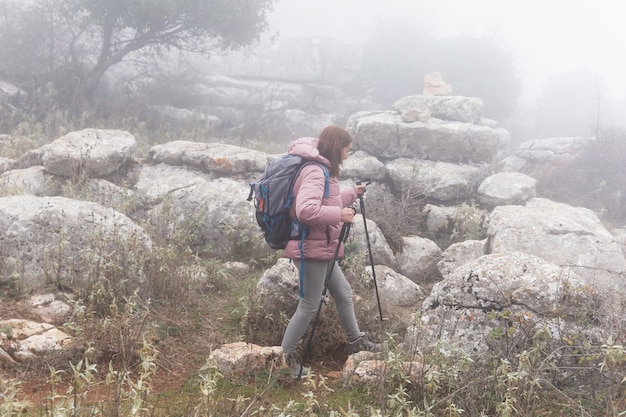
364, 343
293, 363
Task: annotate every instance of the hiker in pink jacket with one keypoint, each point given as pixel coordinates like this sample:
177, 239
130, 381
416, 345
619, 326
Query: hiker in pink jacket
323, 215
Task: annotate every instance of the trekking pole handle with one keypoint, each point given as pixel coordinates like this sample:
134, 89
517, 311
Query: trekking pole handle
359, 182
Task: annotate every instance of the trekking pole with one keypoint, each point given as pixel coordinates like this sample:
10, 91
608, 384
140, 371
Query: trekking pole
369, 249
343, 236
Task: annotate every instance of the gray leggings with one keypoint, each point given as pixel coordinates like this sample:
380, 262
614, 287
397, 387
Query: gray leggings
339, 287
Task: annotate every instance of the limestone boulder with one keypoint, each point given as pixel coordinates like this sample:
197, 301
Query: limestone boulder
24, 339
573, 237
439, 181
66, 241
497, 299
506, 188
213, 212
418, 259
90, 152
444, 107
221, 159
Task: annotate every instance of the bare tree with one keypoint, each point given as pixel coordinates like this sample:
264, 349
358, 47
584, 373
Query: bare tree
80, 40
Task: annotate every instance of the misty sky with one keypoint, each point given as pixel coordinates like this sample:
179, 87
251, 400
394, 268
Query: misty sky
545, 36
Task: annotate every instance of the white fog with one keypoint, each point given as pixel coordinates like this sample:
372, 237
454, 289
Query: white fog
546, 37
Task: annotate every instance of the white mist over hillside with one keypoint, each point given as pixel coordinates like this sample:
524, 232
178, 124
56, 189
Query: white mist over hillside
546, 37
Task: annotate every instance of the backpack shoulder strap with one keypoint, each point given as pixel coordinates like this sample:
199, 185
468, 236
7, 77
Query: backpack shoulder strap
324, 170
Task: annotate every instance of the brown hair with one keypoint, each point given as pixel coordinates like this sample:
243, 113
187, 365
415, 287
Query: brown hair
331, 142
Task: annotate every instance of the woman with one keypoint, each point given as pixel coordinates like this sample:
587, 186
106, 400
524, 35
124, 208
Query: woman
323, 215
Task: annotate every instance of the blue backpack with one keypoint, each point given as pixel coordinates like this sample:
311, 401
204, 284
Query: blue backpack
273, 197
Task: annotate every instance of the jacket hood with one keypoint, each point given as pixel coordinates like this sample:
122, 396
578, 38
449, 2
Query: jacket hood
307, 148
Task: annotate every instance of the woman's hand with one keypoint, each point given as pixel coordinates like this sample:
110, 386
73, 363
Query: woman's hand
347, 214
360, 189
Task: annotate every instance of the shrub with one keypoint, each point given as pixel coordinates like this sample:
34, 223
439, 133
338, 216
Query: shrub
468, 221
396, 215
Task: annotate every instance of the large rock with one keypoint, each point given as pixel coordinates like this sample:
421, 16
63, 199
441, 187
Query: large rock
25, 339
444, 107
460, 253
499, 298
48, 308
361, 166
506, 188
372, 367
6, 164
34, 180
69, 242
395, 289
418, 259
278, 288
538, 156
552, 150
241, 358
573, 237
439, 220
37, 181
439, 181
89, 152
213, 213
387, 136
210, 157
381, 251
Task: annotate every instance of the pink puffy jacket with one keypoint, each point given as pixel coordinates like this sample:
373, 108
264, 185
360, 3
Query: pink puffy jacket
321, 215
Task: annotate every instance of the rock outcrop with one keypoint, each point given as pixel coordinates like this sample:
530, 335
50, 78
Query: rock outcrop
437, 149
